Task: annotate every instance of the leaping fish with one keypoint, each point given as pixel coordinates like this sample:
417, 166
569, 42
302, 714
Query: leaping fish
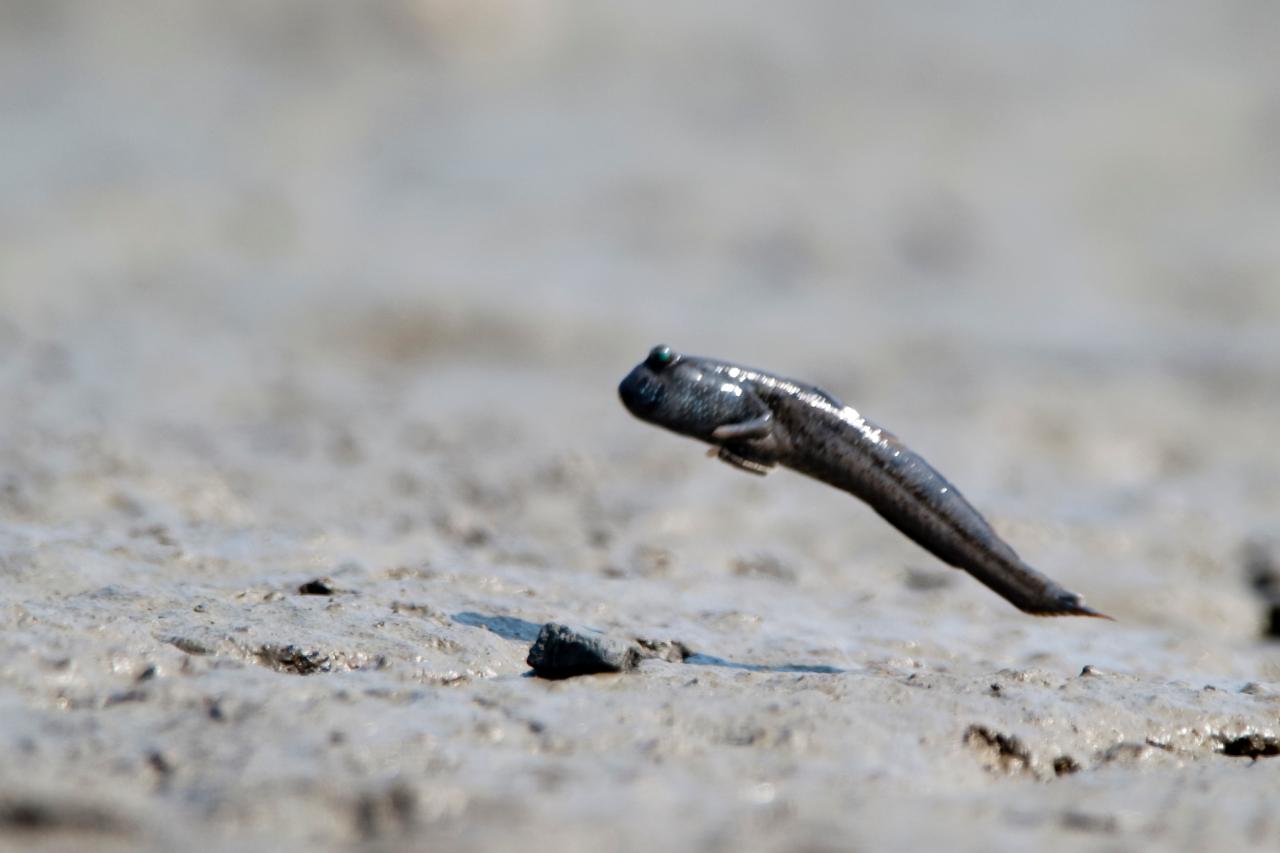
756, 420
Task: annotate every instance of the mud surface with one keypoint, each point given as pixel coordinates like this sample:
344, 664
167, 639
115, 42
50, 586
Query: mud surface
312, 318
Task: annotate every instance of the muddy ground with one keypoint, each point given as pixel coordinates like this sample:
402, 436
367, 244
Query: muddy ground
313, 315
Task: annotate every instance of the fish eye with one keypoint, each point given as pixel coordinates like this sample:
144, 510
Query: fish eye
660, 357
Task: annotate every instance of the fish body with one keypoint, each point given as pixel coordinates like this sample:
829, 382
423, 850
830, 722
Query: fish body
757, 420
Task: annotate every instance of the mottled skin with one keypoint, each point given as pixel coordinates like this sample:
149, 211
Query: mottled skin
756, 420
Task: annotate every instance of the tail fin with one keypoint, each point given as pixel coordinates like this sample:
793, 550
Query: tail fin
1065, 604
1002, 571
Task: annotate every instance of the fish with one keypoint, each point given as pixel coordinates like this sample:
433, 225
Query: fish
755, 421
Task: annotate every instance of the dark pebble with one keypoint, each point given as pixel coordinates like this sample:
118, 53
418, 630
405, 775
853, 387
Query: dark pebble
1251, 746
561, 652
319, 586
1262, 569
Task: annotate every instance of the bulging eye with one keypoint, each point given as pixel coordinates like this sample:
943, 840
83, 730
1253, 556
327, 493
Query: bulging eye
660, 357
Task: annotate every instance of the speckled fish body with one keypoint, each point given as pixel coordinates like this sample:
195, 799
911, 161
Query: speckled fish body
756, 420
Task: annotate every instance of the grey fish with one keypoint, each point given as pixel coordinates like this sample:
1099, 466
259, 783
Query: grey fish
755, 421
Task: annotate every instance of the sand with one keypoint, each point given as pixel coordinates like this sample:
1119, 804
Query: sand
313, 315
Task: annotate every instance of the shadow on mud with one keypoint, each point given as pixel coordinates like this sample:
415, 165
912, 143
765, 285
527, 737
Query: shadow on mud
524, 631
506, 627
708, 660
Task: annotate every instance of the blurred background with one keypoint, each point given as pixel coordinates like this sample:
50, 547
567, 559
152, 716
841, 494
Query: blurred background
529, 179
1039, 241
311, 287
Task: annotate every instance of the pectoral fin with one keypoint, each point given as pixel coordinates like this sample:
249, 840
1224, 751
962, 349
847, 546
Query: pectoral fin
748, 465
758, 427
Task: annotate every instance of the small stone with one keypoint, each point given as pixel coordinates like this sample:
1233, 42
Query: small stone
1065, 765
561, 652
160, 762
1251, 745
1272, 629
293, 659
318, 586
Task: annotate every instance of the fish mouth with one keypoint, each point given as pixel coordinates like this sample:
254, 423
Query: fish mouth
641, 392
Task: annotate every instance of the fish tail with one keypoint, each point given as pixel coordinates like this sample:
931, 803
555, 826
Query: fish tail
1064, 603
